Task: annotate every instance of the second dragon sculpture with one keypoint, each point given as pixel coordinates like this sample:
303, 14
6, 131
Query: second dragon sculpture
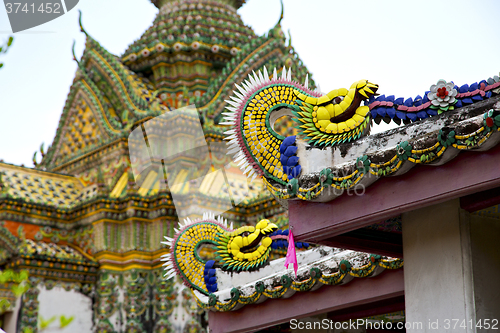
244, 249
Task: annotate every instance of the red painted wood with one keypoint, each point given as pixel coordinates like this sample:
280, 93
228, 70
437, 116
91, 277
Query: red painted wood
388, 285
481, 200
469, 173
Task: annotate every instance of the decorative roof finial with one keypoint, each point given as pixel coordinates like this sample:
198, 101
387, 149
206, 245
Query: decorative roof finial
81, 25
282, 12
277, 32
35, 163
74, 54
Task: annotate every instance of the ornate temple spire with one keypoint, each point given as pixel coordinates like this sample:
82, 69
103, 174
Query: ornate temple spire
188, 44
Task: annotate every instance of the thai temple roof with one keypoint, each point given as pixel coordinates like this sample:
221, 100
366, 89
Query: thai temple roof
110, 94
321, 266
81, 267
41, 187
332, 153
434, 141
329, 156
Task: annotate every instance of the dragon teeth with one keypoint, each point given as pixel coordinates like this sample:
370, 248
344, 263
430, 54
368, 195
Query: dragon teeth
266, 75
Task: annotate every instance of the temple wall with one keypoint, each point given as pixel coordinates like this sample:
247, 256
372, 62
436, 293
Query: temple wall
58, 302
437, 270
186, 315
452, 264
485, 235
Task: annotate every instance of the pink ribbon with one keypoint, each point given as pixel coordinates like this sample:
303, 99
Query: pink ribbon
291, 255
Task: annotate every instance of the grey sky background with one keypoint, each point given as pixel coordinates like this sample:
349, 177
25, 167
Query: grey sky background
404, 46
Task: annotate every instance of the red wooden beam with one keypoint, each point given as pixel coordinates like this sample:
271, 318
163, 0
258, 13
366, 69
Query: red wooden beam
481, 200
388, 285
470, 172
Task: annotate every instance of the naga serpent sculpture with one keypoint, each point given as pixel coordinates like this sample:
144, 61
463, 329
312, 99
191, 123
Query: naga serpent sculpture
334, 118
244, 249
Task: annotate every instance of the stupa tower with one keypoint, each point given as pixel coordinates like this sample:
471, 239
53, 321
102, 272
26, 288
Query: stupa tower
189, 43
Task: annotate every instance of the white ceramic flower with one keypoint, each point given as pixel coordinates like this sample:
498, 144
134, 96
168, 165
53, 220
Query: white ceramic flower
442, 94
159, 47
177, 47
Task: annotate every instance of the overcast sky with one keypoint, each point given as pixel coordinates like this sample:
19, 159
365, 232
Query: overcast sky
404, 46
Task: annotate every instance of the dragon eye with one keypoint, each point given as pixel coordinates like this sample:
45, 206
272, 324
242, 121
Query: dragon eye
338, 99
245, 234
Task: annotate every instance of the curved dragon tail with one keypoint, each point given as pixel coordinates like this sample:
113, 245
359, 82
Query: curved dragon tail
252, 112
183, 259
